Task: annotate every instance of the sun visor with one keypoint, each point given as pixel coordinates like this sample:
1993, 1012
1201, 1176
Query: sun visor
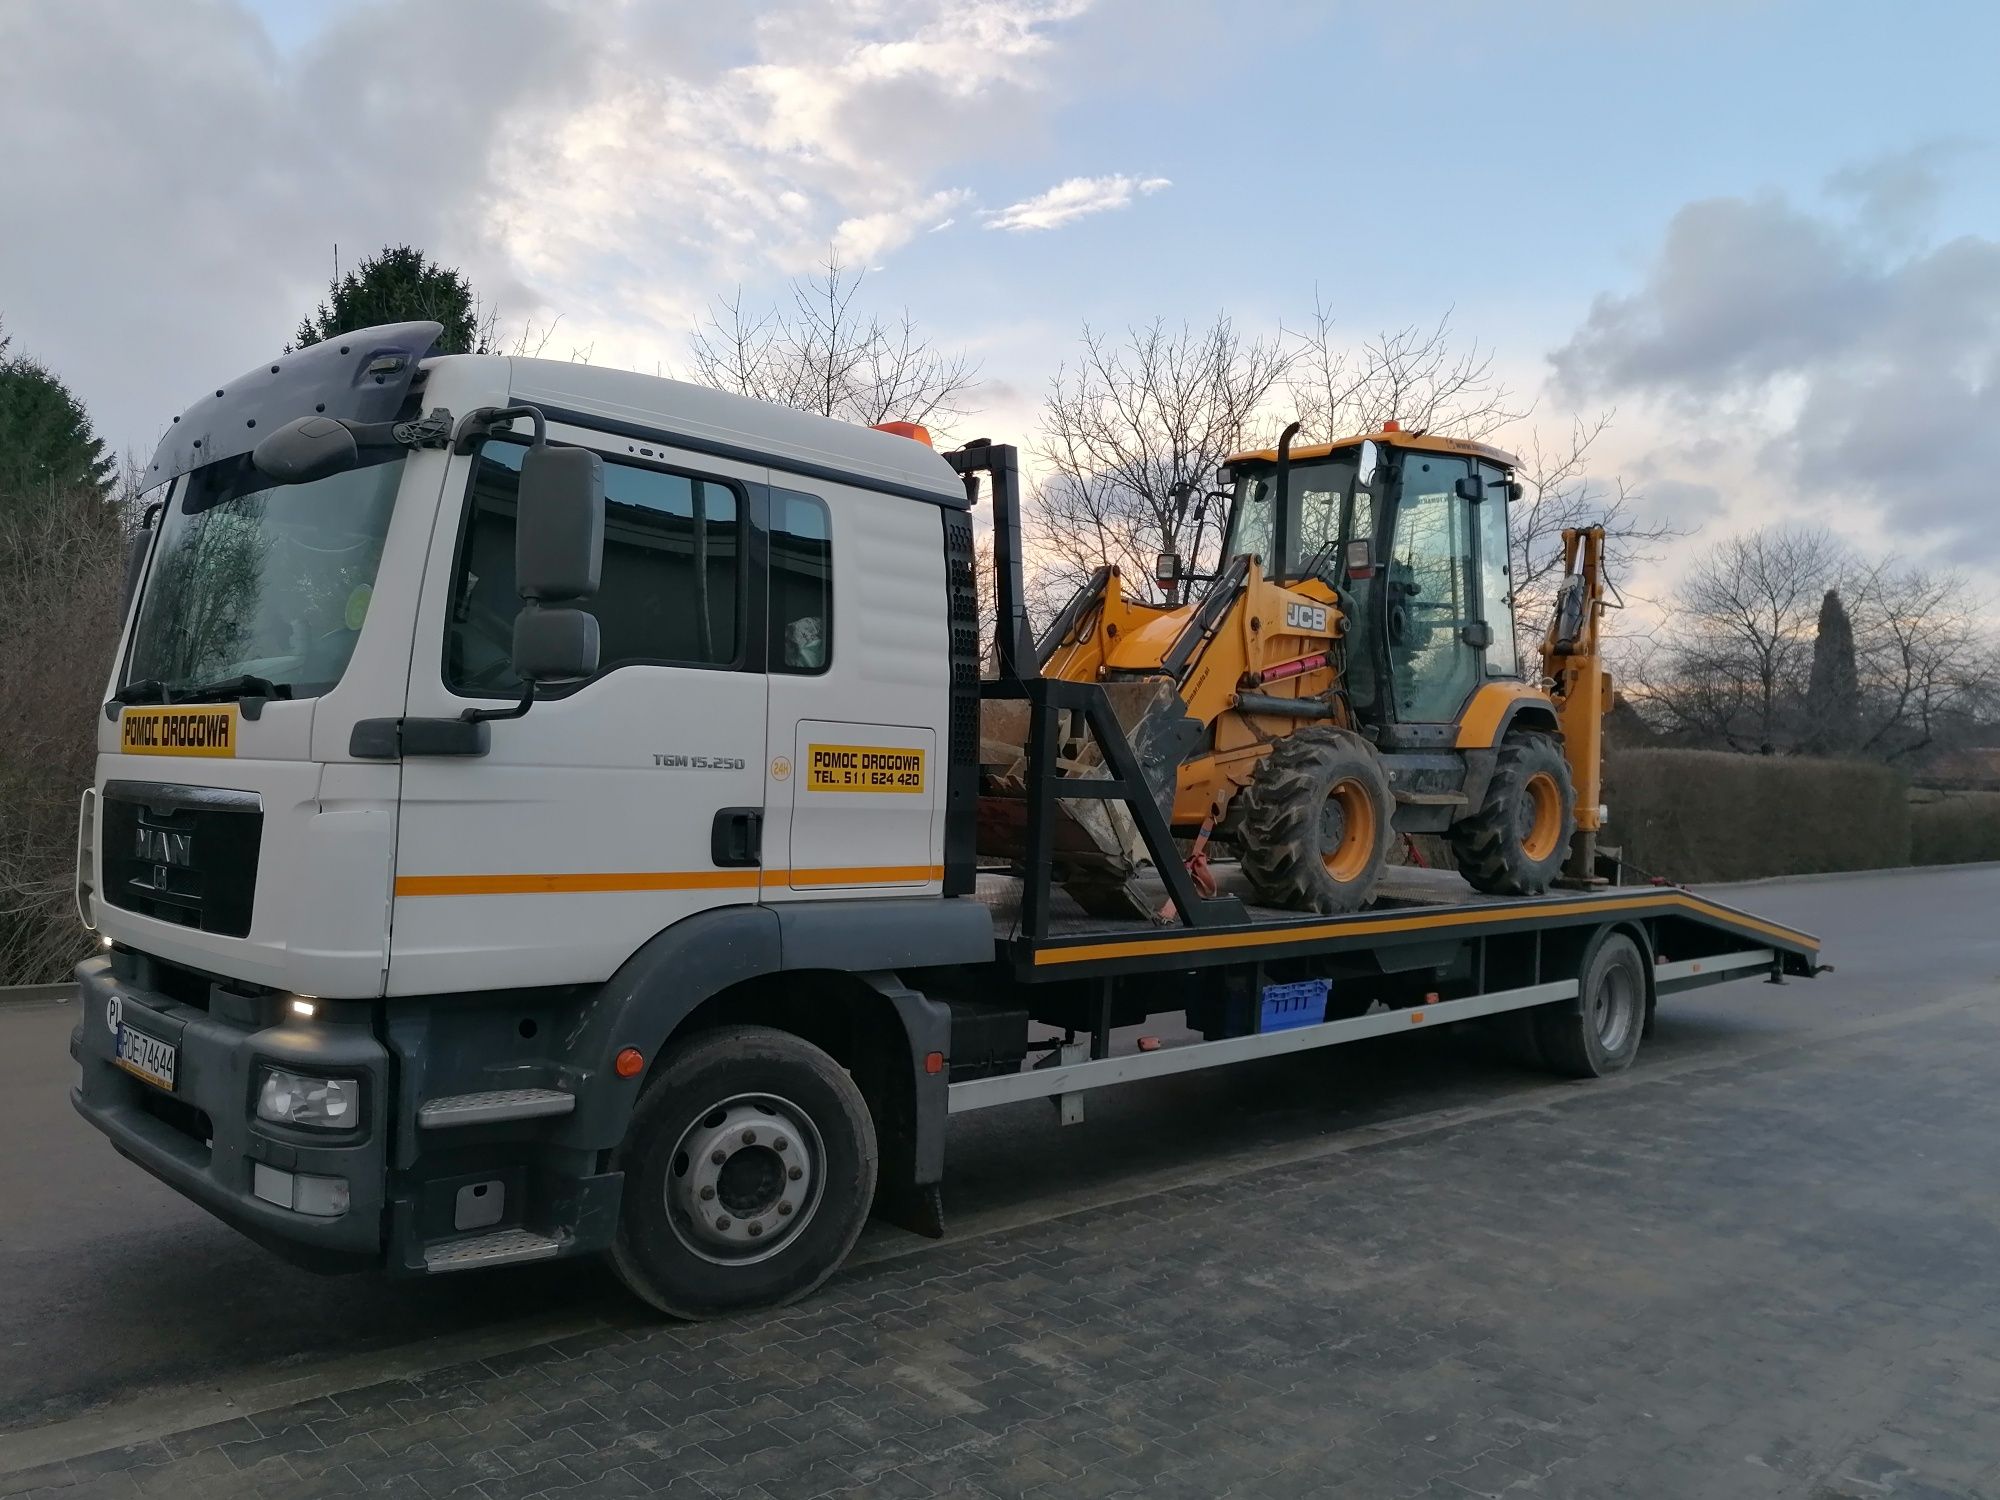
358, 377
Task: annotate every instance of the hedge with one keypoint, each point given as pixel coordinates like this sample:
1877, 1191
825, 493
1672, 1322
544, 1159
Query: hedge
1956, 829
1701, 815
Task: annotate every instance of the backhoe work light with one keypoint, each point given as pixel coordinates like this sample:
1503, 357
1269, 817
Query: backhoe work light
316, 1103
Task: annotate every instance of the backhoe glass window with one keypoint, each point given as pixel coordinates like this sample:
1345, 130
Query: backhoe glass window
670, 587
1318, 489
1428, 584
251, 578
1495, 586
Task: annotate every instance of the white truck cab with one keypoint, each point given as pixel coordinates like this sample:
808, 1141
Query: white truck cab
331, 843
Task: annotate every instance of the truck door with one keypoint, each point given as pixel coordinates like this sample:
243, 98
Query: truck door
859, 688
615, 807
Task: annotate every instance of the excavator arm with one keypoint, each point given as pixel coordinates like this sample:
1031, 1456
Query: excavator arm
1580, 685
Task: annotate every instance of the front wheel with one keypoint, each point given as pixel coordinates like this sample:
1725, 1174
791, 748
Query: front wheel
1517, 840
749, 1167
1316, 822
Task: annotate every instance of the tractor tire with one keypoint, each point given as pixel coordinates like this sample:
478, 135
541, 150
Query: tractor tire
1515, 844
1316, 823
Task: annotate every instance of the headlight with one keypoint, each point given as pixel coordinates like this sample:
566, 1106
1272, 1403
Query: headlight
318, 1103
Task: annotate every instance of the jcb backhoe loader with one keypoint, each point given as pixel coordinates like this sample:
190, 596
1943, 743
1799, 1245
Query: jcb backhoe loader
1349, 676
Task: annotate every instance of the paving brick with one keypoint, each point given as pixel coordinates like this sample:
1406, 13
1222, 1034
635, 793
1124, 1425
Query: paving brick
1748, 1281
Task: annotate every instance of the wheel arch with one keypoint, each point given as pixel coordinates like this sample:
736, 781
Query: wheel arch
1529, 713
1497, 707
827, 971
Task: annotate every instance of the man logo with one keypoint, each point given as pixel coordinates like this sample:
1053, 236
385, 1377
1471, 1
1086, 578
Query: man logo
162, 846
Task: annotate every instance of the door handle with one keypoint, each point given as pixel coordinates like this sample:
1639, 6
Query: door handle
736, 840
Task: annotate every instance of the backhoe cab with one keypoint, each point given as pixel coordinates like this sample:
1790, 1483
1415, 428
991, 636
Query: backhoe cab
1350, 675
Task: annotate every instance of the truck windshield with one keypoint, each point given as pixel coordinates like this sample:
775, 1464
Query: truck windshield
251, 579
1318, 486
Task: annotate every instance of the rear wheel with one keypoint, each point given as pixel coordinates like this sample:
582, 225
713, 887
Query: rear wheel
1515, 844
1598, 1032
1316, 823
749, 1167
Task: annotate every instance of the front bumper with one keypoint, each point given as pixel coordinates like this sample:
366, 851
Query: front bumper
203, 1138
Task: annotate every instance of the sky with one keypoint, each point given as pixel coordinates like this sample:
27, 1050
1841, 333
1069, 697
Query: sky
1764, 236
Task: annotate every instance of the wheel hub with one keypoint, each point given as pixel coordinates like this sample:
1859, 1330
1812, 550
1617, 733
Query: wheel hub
1615, 1009
745, 1179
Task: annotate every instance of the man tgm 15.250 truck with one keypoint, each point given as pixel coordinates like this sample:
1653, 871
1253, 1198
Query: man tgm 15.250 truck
537, 813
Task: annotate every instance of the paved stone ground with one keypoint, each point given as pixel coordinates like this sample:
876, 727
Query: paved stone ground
1772, 1277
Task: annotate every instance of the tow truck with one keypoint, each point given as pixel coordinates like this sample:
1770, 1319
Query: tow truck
536, 816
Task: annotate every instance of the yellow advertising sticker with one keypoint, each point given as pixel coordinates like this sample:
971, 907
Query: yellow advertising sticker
864, 768
209, 729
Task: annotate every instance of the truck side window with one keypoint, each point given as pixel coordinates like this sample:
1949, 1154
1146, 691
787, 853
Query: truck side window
670, 590
801, 583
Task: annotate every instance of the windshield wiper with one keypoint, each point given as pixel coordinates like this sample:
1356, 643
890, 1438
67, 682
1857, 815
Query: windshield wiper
151, 690
248, 685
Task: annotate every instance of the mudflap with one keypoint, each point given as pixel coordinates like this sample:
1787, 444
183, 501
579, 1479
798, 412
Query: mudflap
915, 1206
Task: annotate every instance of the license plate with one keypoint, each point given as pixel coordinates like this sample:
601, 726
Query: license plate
144, 1056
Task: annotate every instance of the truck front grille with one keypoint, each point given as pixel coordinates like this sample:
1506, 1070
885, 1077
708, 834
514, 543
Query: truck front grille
182, 854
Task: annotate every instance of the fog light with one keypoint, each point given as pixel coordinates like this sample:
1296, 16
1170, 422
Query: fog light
271, 1185
322, 1197
317, 1103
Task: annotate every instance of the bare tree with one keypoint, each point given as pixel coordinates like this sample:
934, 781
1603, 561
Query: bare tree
1927, 667
1132, 433
1558, 492
1417, 376
1732, 666
1736, 652
824, 353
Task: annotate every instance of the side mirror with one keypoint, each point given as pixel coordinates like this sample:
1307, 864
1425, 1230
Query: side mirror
306, 449
558, 557
1365, 465
559, 527
1470, 487
554, 644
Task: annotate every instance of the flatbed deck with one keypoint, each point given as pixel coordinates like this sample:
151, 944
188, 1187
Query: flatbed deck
1413, 906
1484, 955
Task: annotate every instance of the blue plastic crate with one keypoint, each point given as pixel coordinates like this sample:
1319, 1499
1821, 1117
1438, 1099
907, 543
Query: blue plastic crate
1288, 1005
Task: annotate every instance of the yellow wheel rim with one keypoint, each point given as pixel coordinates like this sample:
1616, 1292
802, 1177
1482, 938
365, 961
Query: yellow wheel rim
1351, 853
1541, 816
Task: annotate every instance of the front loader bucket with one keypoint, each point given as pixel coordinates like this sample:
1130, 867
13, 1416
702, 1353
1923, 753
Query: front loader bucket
1095, 845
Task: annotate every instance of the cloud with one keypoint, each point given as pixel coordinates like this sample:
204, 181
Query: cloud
617, 164
1073, 200
1856, 359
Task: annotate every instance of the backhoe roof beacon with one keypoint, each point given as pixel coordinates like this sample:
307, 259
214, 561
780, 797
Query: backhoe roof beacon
544, 811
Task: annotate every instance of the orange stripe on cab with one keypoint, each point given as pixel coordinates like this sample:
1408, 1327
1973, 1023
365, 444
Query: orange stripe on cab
655, 880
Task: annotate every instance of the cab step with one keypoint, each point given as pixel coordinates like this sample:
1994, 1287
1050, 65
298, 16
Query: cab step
1431, 799
503, 1247
499, 1104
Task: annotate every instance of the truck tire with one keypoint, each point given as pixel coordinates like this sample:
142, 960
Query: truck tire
1316, 823
749, 1168
1598, 1032
1515, 844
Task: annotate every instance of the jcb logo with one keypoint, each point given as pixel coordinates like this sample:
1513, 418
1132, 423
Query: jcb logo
1305, 616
